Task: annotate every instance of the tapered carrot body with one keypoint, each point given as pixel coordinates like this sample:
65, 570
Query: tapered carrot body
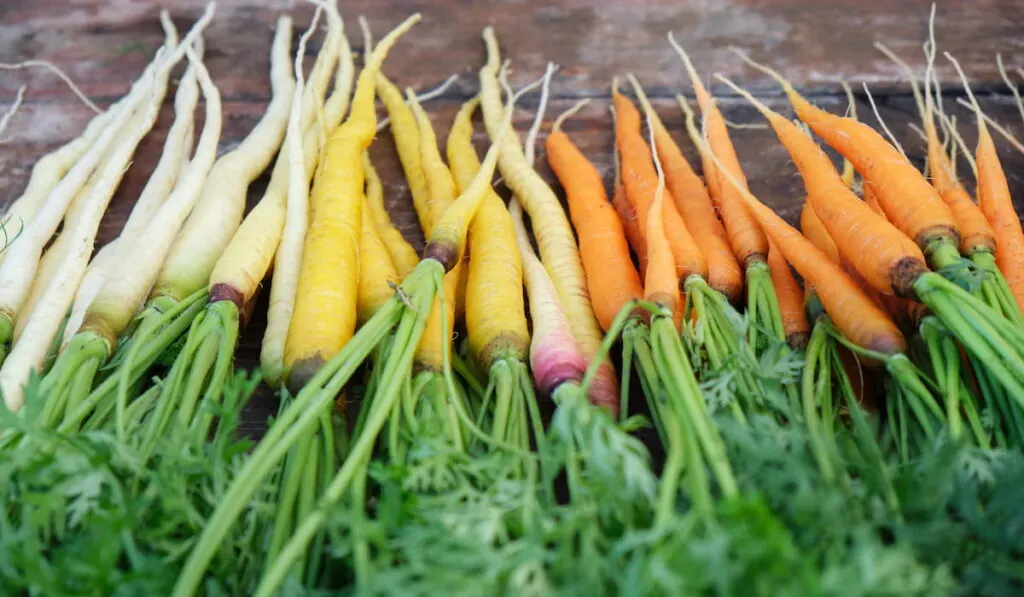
887, 259
976, 233
997, 204
791, 299
640, 181
442, 192
377, 272
630, 226
406, 134
661, 282
495, 310
551, 228
611, 276
747, 239
693, 202
852, 312
815, 232
403, 256
325, 299
909, 201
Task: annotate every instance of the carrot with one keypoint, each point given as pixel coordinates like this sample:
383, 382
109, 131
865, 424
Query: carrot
50, 169
629, 219
551, 227
377, 272
694, 204
997, 203
975, 231
661, 282
909, 201
851, 310
611, 276
21, 260
495, 312
406, 134
441, 192
748, 241
639, 180
791, 299
815, 232
325, 308
883, 255
403, 256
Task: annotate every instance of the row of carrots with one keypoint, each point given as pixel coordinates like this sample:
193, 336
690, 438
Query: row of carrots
897, 254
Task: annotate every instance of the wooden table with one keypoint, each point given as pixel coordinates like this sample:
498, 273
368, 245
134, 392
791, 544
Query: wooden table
104, 44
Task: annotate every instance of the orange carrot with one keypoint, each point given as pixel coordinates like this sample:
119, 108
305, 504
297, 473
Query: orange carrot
976, 234
611, 276
884, 256
997, 203
852, 312
640, 181
909, 201
694, 205
791, 299
748, 241
815, 232
629, 219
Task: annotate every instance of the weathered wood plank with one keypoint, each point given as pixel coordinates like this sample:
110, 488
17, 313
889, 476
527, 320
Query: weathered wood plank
103, 44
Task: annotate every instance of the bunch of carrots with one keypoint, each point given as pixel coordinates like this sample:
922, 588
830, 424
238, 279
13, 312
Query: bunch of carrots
888, 324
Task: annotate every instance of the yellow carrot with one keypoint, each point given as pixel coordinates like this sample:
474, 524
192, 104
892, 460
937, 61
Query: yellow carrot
376, 271
551, 227
495, 309
403, 256
325, 301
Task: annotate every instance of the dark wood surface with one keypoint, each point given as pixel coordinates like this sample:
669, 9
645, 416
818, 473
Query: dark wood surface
104, 44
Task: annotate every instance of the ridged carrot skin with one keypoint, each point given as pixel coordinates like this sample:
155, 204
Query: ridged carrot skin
611, 276
640, 180
887, 259
325, 298
377, 272
495, 309
551, 228
909, 201
748, 241
403, 256
997, 204
693, 202
976, 233
406, 134
791, 299
631, 227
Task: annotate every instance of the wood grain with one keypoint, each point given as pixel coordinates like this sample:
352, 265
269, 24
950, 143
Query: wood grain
104, 44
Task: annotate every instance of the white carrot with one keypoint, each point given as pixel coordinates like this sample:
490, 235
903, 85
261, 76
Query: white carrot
174, 158
288, 259
30, 351
218, 212
19, 266
124, 289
